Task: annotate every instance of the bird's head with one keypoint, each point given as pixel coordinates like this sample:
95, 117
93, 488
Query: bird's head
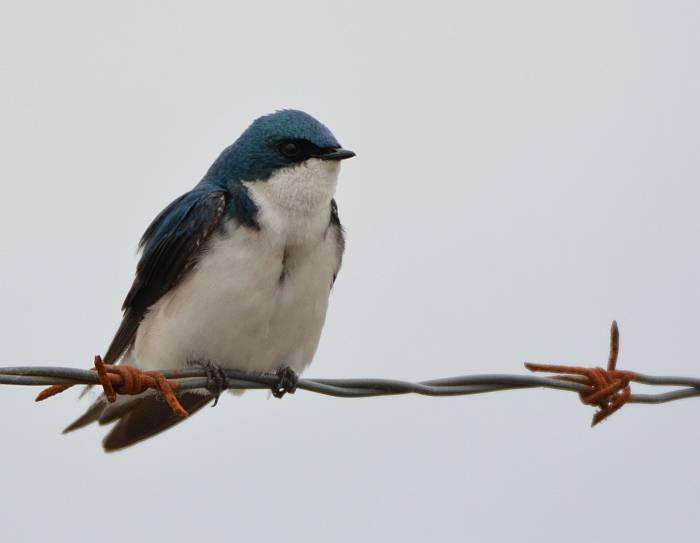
278, 144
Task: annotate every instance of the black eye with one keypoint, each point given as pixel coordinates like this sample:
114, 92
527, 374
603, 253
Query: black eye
290, 149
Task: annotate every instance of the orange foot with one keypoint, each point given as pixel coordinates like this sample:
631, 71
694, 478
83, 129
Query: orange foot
607, 389
120, 379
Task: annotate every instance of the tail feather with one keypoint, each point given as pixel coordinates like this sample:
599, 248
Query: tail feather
121, 407
138, 417
149, 417
91, 415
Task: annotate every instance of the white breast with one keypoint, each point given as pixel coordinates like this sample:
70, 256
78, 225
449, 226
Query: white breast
257, 299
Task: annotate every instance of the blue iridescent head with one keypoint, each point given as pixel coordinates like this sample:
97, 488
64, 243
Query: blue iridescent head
279, 140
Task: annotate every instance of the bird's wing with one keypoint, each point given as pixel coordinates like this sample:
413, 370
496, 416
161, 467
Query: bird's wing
339, 232
171, 247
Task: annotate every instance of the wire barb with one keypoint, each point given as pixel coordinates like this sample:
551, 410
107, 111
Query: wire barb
128, 380
608, 389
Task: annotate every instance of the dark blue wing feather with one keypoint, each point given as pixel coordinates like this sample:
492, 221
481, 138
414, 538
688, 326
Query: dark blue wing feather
171, 246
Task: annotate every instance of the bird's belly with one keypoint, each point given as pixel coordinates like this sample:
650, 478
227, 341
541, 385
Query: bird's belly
245, 306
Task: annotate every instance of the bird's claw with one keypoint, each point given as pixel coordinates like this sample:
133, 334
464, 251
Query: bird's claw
217, 380
287, 382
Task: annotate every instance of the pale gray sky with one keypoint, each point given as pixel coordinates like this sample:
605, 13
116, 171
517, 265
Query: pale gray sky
526, 172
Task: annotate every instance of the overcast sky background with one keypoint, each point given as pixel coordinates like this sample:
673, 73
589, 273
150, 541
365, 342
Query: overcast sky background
526, 172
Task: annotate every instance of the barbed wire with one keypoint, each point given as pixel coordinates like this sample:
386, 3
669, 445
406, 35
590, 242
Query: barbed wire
608, 389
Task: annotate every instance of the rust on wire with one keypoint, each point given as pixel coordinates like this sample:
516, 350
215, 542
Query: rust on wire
608, 389
122, 379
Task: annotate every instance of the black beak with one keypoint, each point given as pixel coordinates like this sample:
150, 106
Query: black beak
336, 154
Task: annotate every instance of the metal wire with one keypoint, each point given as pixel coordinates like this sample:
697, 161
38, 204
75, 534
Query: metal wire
607, 389
191, 378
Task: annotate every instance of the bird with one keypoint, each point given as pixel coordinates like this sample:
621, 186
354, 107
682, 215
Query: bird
234, 274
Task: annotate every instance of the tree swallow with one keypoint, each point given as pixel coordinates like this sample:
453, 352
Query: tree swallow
236, 272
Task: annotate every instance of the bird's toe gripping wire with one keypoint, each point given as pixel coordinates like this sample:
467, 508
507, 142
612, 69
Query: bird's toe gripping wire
287, 382
121, 379
608, 389
217, 380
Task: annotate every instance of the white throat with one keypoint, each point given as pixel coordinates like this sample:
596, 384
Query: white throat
302, 189
294, 203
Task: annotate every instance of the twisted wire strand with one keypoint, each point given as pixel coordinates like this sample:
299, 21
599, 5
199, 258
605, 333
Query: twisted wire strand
607, 389
191, 378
